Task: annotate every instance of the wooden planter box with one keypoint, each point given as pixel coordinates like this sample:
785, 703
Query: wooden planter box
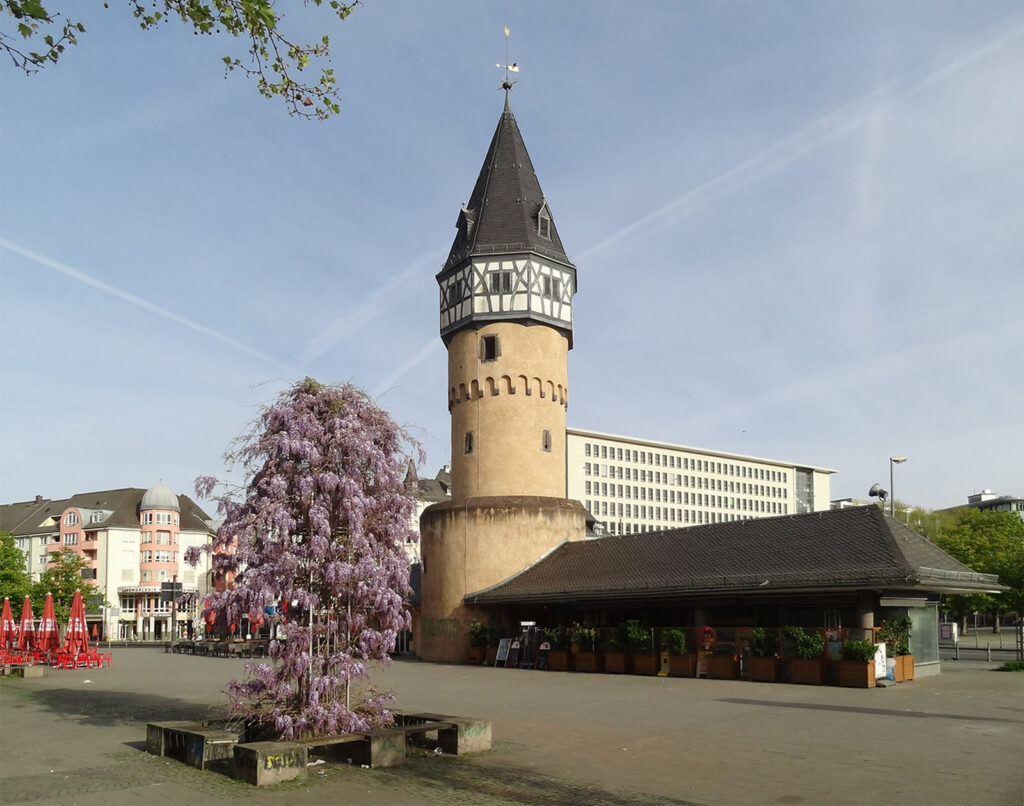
589, 662
558, 660
857, 674
615, 663
646, 664
807, 671
764, 670
682, 665
904, 668
476, 655
723, 667
491, 655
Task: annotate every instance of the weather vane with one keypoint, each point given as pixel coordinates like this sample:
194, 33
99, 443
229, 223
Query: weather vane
509, 67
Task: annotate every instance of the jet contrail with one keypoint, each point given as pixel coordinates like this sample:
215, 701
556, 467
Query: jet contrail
792, 147
82, 277
421, 356
382, 298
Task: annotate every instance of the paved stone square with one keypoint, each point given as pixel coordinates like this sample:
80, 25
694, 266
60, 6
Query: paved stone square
76, 737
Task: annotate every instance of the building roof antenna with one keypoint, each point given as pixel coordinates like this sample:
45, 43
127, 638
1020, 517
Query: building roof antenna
509, 67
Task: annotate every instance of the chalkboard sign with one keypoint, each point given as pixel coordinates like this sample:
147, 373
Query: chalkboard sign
542, 655
513, 656
502, 656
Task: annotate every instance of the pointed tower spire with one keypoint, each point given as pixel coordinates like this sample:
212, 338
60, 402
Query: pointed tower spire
507, 261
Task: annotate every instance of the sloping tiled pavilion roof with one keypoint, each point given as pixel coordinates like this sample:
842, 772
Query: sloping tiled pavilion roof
853, 548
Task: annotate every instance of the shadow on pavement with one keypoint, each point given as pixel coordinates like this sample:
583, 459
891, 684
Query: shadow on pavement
854, 709
465, 780
98, 707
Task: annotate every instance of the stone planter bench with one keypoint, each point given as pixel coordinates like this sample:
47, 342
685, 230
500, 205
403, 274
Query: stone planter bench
456, 735
197, 744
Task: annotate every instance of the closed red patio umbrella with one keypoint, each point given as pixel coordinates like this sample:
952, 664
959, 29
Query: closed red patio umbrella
8, 629
27, 630
47, 638
76, 639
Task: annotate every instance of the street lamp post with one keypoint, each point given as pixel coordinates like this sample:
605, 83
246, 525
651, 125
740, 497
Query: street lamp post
893, 460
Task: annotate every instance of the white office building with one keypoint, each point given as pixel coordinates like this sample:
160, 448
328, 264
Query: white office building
637, 485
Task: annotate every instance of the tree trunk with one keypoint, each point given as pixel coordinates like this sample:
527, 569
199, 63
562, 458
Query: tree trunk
995, 621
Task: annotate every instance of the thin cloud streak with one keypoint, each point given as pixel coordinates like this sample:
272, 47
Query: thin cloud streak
82, 277
782, 153
768, 161
927, 358
380, 299
424, 353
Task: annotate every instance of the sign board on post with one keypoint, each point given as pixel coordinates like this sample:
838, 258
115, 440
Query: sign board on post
170, 591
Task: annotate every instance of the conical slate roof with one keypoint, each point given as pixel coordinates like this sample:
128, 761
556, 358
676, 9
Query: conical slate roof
502, 213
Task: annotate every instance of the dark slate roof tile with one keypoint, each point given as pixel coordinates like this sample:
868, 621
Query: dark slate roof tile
848, 548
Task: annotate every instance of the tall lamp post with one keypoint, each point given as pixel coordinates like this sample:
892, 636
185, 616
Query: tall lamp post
893, 460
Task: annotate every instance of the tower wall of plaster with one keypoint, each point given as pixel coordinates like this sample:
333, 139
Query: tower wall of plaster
508, 410
470, 545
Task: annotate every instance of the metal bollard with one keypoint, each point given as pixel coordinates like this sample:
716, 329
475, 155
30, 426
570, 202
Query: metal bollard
988, 650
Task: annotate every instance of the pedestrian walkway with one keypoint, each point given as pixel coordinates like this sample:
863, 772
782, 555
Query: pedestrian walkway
559, 737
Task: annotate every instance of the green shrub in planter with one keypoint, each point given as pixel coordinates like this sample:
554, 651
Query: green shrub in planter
479, 635
674, 641
896, 636
764, 643
584, 635
809, 644
612, 642
558, 637
637, 636
863, 651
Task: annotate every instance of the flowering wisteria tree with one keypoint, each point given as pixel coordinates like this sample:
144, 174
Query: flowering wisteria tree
319, 530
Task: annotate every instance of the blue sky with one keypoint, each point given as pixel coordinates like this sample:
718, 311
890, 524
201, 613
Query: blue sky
799, 231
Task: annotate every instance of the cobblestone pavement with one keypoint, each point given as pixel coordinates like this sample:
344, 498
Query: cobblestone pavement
76, 737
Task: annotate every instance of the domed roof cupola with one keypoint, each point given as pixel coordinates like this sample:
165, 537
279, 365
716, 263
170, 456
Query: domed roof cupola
160, 496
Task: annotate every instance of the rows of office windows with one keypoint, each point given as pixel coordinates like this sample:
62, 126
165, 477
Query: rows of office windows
669, 460
613, 490
618, 515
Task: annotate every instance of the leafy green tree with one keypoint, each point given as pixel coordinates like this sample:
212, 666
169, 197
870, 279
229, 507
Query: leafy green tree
15, 582
62, 579
274, 61
990, 542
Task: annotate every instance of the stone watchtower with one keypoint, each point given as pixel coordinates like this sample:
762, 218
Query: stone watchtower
506, 295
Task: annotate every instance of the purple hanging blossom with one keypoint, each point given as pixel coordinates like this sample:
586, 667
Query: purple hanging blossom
320, 529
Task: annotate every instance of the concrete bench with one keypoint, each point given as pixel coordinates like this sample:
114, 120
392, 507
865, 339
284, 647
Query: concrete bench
456, 735
383, 747
267, 763
27, 671
194, 743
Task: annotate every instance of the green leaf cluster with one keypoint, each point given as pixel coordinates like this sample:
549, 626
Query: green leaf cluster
673, 641
478, 634
764, 643
274, 61
896, 636
810, 644
989, 542
62, 579
15, 582
863, 651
